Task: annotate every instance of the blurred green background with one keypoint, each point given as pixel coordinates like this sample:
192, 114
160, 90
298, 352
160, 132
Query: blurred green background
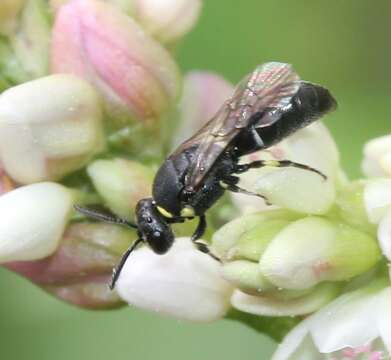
343, 45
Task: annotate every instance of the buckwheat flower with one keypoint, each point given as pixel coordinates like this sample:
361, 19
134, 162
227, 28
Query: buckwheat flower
33, 221
184, 283
203, 93
290, 187
167, 20
44, 137
9, 11
354, 326
136, 76
121, 183
80, 270
377, 157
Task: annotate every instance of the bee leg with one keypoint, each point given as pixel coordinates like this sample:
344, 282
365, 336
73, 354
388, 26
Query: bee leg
242, 168
103, 216
200, 245
118, 268
200, 230
229, 184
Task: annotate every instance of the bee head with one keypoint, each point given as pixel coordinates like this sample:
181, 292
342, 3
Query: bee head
153, 226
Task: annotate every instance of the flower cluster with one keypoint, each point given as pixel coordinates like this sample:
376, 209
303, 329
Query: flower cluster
92, 100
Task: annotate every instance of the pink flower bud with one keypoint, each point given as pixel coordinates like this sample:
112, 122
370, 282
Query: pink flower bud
80, 270
96, 41
203, 93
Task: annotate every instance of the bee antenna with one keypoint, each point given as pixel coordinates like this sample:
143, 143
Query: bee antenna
118, 268
103, 216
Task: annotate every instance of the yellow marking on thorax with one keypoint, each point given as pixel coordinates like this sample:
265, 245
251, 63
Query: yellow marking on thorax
164, 212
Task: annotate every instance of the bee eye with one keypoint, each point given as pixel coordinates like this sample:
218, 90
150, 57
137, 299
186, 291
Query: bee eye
156, 233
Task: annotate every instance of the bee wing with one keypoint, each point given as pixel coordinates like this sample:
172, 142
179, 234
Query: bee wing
270, 86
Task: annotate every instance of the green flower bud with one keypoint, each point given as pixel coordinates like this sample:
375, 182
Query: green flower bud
351, 207
314, 249
246, 276
121, 183
252, 244
31, 41
227, 236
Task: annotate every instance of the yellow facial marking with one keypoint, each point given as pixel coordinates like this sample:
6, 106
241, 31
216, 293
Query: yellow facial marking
164, 212
187, 211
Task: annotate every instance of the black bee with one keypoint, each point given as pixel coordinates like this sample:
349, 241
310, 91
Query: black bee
268, 105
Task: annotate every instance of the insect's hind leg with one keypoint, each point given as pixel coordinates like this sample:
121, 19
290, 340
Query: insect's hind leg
242, 168
199, 244
229, 183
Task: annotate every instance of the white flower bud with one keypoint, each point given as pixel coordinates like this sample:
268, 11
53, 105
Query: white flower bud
377, 157
167, 20
33, 219
184, 283
48, 128
377, 199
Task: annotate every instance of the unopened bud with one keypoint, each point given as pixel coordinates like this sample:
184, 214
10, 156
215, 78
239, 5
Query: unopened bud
33, 221
377, 157
314, 249
31, 40
203, 94
44, 137
135, 75
80, 270
184, 283
121, 183
168, 20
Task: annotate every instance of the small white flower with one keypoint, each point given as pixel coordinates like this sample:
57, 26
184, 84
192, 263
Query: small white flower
377, 199
184, 283
33, 219
356, 324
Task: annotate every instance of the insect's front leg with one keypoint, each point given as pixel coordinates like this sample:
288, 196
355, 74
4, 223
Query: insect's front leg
199, 232
242, 168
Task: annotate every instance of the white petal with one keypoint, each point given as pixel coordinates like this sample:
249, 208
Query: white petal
297, 345
377, 199
384, 317
268, 305
184, 283
375, 161
384, 235
349, 321
33, 219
